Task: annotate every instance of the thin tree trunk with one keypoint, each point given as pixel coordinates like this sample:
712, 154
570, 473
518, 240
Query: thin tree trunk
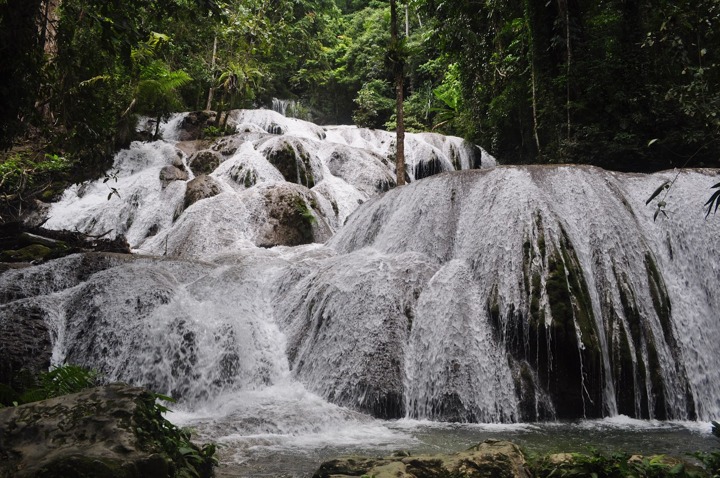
398, 67
407, 21
212, 69
568, 46
533, 76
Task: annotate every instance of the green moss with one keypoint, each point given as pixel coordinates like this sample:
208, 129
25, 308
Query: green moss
660, 298
33, 252
293, 165
578, 383
305, 212
637, 335
250, 179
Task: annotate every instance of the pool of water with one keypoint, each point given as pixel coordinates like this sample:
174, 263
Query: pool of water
258, 447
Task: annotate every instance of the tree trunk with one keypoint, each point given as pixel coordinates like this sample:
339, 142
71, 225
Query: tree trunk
533, 75
212, 72
399, 84
564, 9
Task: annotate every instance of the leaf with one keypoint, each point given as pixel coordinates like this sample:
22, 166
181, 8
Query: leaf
653, 141
660, 189
715, 198
95, 79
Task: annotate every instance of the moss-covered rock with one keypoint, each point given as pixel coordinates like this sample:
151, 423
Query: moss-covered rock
293, 161
292, 217
492, 458
201, 187
204, 162
115, 431
25, 346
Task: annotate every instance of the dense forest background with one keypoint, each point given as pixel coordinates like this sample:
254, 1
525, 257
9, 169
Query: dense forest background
630, 85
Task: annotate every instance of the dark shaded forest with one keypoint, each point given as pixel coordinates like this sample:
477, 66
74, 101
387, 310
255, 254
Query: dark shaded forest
630, 85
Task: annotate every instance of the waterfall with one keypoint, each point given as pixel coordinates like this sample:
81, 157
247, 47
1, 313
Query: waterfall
280, 106
305, 280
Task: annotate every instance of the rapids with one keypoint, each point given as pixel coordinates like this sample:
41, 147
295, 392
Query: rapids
498, 295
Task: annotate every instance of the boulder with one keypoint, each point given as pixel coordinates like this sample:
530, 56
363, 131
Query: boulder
202, 187
292, 218
204, 162
171, 173
25, 345
193, 125
114, 431
492, 458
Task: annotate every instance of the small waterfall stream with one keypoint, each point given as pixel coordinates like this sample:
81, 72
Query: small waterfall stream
494, 295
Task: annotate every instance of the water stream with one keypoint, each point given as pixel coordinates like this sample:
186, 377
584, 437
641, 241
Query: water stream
544, 302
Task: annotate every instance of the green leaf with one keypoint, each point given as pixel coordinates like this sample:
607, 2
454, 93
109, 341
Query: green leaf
653, 141
660, 189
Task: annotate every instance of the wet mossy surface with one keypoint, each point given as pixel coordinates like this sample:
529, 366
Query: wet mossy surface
426, 169
563, 348
293, 162
576, 377
632, 318
115, 431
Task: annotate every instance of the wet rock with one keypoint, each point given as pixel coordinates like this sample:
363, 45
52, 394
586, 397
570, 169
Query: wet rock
291, 217
204, 162
424, 169
192, 126
112, 431
201, 187
292, 159
172, 173
25, 343
492, 458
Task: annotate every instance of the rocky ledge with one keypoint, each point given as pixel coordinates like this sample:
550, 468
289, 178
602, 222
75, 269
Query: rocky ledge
114, 431
492, 458
503, 459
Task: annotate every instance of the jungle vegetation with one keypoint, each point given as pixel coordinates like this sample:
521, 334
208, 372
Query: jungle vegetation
630, 85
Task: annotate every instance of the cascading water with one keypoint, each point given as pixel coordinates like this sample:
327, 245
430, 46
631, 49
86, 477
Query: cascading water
501, 295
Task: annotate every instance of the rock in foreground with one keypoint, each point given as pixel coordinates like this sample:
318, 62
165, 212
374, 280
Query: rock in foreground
492, 458
115, 431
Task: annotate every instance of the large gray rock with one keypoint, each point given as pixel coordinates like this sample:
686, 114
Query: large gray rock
172, 173
291, 217
111, 432
25, 342
205, 161
201, 187
491, 459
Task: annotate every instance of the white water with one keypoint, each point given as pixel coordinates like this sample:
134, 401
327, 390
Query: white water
417, 306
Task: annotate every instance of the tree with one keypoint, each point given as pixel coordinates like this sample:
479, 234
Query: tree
396, 58
21, 52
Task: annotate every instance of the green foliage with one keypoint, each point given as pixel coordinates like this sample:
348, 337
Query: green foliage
374, 104
60, 380
305, 212
20, 172
154, 431
711, 461
214, 132
617, 465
